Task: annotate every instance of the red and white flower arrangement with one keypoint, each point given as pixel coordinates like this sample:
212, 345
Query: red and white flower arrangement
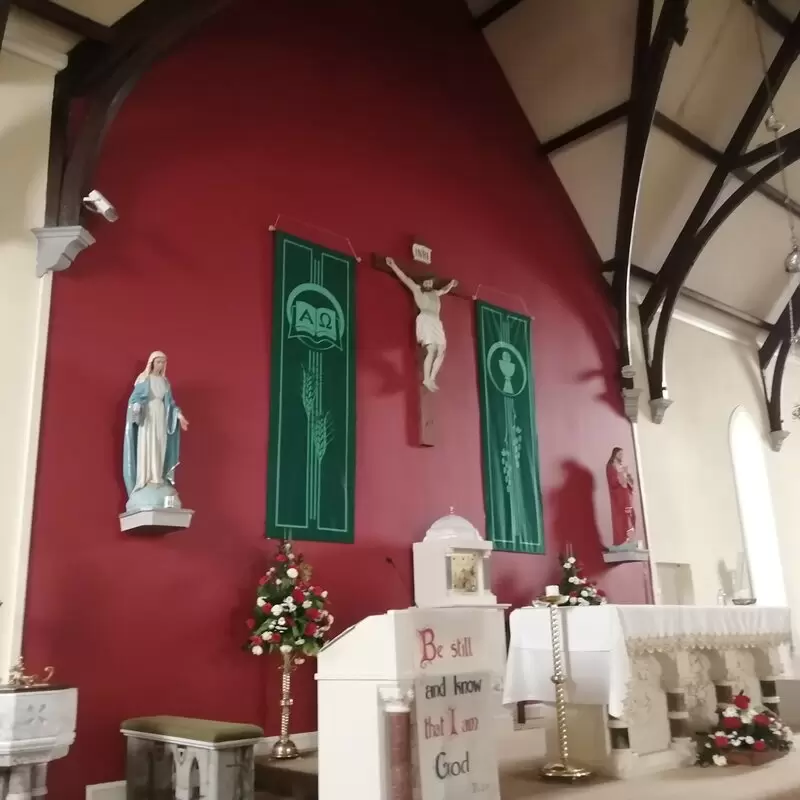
743, 730
290, 615
575, 590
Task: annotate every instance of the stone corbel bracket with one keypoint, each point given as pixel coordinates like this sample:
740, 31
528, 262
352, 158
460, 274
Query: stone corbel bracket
58, 246
776, 439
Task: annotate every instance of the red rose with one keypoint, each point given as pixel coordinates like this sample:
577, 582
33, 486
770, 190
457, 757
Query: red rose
266, 608
315, 614
761, 719
600, 592
298, 596
251, 623
759, 745
280, 557
311, 628
741, 701
289, 621
275, 637
721, 741
732, 723
262, 580
255, 640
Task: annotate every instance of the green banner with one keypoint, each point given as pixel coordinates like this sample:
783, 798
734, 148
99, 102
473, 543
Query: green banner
513, 494
311, 470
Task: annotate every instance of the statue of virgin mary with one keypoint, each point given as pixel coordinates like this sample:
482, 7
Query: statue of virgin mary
153, 426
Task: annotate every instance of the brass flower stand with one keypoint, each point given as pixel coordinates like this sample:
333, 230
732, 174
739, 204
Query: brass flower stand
285, 748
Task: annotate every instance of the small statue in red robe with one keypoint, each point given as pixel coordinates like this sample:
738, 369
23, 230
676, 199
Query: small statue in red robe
620, 488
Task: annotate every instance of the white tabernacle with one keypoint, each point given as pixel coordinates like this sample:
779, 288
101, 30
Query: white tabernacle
641, 680
411, 699
36, 727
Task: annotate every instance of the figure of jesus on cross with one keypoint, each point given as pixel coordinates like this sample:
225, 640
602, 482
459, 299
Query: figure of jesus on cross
429, 328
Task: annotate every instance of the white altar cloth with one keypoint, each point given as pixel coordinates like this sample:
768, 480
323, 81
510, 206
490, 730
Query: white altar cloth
600, 640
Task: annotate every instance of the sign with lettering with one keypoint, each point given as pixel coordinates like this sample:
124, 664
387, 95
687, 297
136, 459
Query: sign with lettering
456, 752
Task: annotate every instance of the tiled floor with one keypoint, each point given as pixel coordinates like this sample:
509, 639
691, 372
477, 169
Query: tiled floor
779, 780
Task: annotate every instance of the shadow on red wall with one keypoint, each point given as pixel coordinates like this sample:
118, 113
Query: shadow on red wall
362, 121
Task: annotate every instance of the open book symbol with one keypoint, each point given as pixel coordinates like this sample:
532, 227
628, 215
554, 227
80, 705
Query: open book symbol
318, 324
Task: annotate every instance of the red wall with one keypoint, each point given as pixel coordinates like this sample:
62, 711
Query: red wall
372, 123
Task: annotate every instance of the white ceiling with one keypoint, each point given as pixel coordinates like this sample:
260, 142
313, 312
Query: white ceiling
570, 60
106, 12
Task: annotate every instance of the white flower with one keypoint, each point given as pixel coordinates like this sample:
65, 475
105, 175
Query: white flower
749, 739
573, 600
571, 560
720, 761
708, 745
282, 621
277, 610
573, 579
736, 742
330, 619
298, 642
299, 661
719, 733
286, 648
277, 581
584, 593
257, 650
730, 711
261, 602
582, 602
324, 594
292, 572
266, 635
746, 716
307, 604
567, 565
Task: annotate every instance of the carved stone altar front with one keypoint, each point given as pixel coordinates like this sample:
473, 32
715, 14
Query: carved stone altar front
638, 696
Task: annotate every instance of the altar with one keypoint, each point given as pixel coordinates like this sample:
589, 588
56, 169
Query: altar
642, 680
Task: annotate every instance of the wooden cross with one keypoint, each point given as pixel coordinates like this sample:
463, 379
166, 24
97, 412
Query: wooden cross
420, 272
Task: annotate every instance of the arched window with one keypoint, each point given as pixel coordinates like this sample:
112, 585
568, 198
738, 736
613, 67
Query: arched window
756, 514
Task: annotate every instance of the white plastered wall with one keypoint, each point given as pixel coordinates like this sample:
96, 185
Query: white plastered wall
686, 465
29, 60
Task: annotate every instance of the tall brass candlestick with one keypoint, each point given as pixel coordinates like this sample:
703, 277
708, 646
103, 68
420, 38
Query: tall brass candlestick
560, 770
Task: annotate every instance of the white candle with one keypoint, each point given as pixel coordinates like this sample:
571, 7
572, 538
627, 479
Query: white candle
551, 591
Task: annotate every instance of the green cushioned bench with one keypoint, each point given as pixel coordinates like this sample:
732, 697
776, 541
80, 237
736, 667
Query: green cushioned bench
198, 730
187, 758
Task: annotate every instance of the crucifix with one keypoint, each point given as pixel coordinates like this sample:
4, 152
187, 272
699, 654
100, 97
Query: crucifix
427, 291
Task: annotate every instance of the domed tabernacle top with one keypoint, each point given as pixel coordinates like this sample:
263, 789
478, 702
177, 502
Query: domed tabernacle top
452, 526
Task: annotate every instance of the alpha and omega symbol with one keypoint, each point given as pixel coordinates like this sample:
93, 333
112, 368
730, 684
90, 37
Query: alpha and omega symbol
315, 317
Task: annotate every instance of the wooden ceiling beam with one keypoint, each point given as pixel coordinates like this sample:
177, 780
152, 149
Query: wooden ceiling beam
495, 12
588, 128
5, 8
771, 16
69, 20
132, 51
650, 61
663, 294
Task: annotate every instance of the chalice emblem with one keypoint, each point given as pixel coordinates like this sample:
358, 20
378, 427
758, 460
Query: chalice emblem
508, 368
